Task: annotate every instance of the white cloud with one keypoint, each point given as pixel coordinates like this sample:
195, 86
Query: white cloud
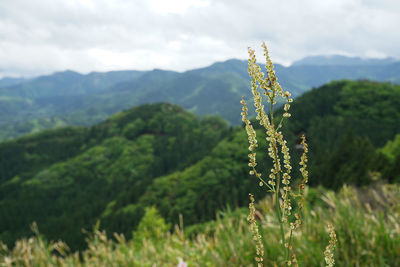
175, 6
42, 36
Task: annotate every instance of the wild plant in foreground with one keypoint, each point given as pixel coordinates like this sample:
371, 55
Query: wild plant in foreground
279, 177
329, 249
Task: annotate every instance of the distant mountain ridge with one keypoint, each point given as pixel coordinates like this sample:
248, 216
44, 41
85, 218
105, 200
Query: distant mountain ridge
66, 83
10, 81
342, 61
71, 98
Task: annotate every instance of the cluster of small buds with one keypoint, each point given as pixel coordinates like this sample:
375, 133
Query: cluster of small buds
257, 76
329, 256
255, 70
256, 235
270, 69
286, 205
303, 183
251, 133
273, 152
297, 222
273, 85
287, 105
303, 164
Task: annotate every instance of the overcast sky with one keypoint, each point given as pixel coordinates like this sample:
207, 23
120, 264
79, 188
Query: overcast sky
43, 36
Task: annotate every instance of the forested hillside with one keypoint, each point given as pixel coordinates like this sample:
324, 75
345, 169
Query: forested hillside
66, 179
345, 122
70, 98
69, 178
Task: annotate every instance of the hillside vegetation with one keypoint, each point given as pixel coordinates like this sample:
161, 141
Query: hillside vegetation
366, 222
160, 155
68, 178
345, 122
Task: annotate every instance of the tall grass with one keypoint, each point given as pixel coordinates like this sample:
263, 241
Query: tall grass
366, 223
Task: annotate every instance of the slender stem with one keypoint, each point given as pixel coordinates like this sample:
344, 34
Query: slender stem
278, 181
269, 187
278, 214
289, 245
271, 112
280, 123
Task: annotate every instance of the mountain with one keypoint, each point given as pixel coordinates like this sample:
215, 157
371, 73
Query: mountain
67, 83
337, 60
70, 98
40, 103
8, 81
69, 178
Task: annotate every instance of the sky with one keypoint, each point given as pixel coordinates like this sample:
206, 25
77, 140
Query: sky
43, 36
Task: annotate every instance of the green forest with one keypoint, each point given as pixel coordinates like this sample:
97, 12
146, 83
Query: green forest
159, 173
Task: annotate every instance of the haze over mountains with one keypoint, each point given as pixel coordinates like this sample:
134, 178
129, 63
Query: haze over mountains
70, 98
